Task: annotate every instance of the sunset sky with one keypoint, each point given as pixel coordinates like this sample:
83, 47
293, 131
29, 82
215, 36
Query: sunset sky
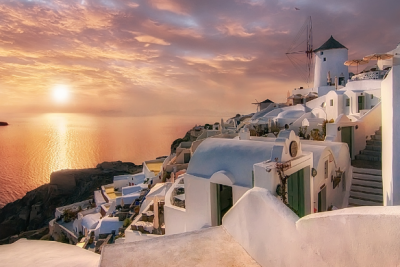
154, 57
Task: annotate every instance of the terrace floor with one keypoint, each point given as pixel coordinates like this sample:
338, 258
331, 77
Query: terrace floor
207, 247
155, 167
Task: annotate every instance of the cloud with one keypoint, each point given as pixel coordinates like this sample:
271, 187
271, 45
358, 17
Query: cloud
173, 56
169, 5
235, 29
151, 39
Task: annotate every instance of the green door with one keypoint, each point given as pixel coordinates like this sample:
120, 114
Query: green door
224, 200
348, 138
360, 103
322, 200
296, 192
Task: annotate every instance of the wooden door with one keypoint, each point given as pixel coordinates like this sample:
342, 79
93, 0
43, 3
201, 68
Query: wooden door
296, 192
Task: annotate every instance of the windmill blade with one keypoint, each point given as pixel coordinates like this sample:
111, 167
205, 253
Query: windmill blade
295, 54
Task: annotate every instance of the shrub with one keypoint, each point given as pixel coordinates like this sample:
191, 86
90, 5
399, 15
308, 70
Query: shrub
127, 222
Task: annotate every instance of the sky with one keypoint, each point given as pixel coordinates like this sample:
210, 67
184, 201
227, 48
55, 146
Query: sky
186, 57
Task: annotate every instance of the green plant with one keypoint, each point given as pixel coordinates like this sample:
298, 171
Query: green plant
127, 222
275, 130
316, 135
302, 132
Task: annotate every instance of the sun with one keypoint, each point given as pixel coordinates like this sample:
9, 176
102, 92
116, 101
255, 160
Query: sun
61, 93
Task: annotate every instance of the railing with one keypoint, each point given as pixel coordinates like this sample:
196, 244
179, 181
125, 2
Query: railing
371, 75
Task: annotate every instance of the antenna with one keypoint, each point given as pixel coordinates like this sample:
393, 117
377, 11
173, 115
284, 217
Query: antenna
303, 44
258, 106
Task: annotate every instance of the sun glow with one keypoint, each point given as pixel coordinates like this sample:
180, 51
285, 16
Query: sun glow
61, 93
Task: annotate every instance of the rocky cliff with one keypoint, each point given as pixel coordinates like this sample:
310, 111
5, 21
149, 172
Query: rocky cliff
37, 207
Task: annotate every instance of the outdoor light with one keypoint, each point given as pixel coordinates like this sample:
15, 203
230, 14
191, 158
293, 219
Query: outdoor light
356, 127
338, 177
339, 128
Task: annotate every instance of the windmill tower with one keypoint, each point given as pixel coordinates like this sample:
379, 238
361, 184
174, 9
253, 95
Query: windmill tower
330, 57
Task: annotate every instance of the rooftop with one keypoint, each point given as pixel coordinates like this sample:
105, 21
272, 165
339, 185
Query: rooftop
154, 167
46, 253
206, 247
330, 44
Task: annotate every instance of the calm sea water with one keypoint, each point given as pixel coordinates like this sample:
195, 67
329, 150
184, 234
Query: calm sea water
33, 146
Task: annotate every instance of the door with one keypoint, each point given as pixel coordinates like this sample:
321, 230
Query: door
186, 158
360, 103
296, 192
224, 200
347, 137
322, 200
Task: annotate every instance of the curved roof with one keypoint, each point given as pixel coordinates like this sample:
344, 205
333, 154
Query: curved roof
330, 44
90, 221
107, 225
291, 114
233, 156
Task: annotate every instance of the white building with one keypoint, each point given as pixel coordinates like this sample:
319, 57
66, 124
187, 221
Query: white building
222, 170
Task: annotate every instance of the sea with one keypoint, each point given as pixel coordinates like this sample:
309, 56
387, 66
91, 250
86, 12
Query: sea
35, 145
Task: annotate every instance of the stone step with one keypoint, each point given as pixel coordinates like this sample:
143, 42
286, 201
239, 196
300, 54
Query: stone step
367, 171
371, 184
366, 189
376, 137
362, 202
368, 157
374, 148
366, 196
367, 177
371, 152
374, 142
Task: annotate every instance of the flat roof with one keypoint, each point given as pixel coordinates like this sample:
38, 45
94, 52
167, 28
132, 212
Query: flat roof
206, 247
154, 167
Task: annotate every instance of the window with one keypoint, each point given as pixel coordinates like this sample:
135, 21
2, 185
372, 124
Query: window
331, 101
322, 53
326, 169
347, 102
372, 96
324, 58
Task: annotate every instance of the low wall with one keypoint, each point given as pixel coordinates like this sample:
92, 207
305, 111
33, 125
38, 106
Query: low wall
274, 236
58, 229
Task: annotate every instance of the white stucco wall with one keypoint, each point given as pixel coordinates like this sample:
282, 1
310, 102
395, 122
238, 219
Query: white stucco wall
334, 63
133, 236
390, 133
346, 237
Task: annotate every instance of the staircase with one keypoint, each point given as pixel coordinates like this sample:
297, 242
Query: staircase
366, 188
373, 149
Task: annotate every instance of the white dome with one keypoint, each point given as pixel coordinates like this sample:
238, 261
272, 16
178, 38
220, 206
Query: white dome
290, 114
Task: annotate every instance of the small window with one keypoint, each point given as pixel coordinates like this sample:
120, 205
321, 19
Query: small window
347, 102
324, 58
331, 101
372, 96
326, 169
322, 53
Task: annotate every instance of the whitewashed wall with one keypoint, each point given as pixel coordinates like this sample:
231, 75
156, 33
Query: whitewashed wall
334, 63
363, 236
390, 135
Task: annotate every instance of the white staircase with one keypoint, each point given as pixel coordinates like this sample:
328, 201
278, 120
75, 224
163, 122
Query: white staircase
366, 188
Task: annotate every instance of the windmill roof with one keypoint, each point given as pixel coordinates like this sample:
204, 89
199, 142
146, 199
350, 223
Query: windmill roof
265, 101
330, 44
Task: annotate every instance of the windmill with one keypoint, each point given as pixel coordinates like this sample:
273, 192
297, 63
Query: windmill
258, 105
303, 45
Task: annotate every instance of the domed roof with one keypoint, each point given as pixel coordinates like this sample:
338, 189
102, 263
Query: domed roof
330, 44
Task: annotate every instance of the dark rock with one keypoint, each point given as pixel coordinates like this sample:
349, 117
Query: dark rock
14, 217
